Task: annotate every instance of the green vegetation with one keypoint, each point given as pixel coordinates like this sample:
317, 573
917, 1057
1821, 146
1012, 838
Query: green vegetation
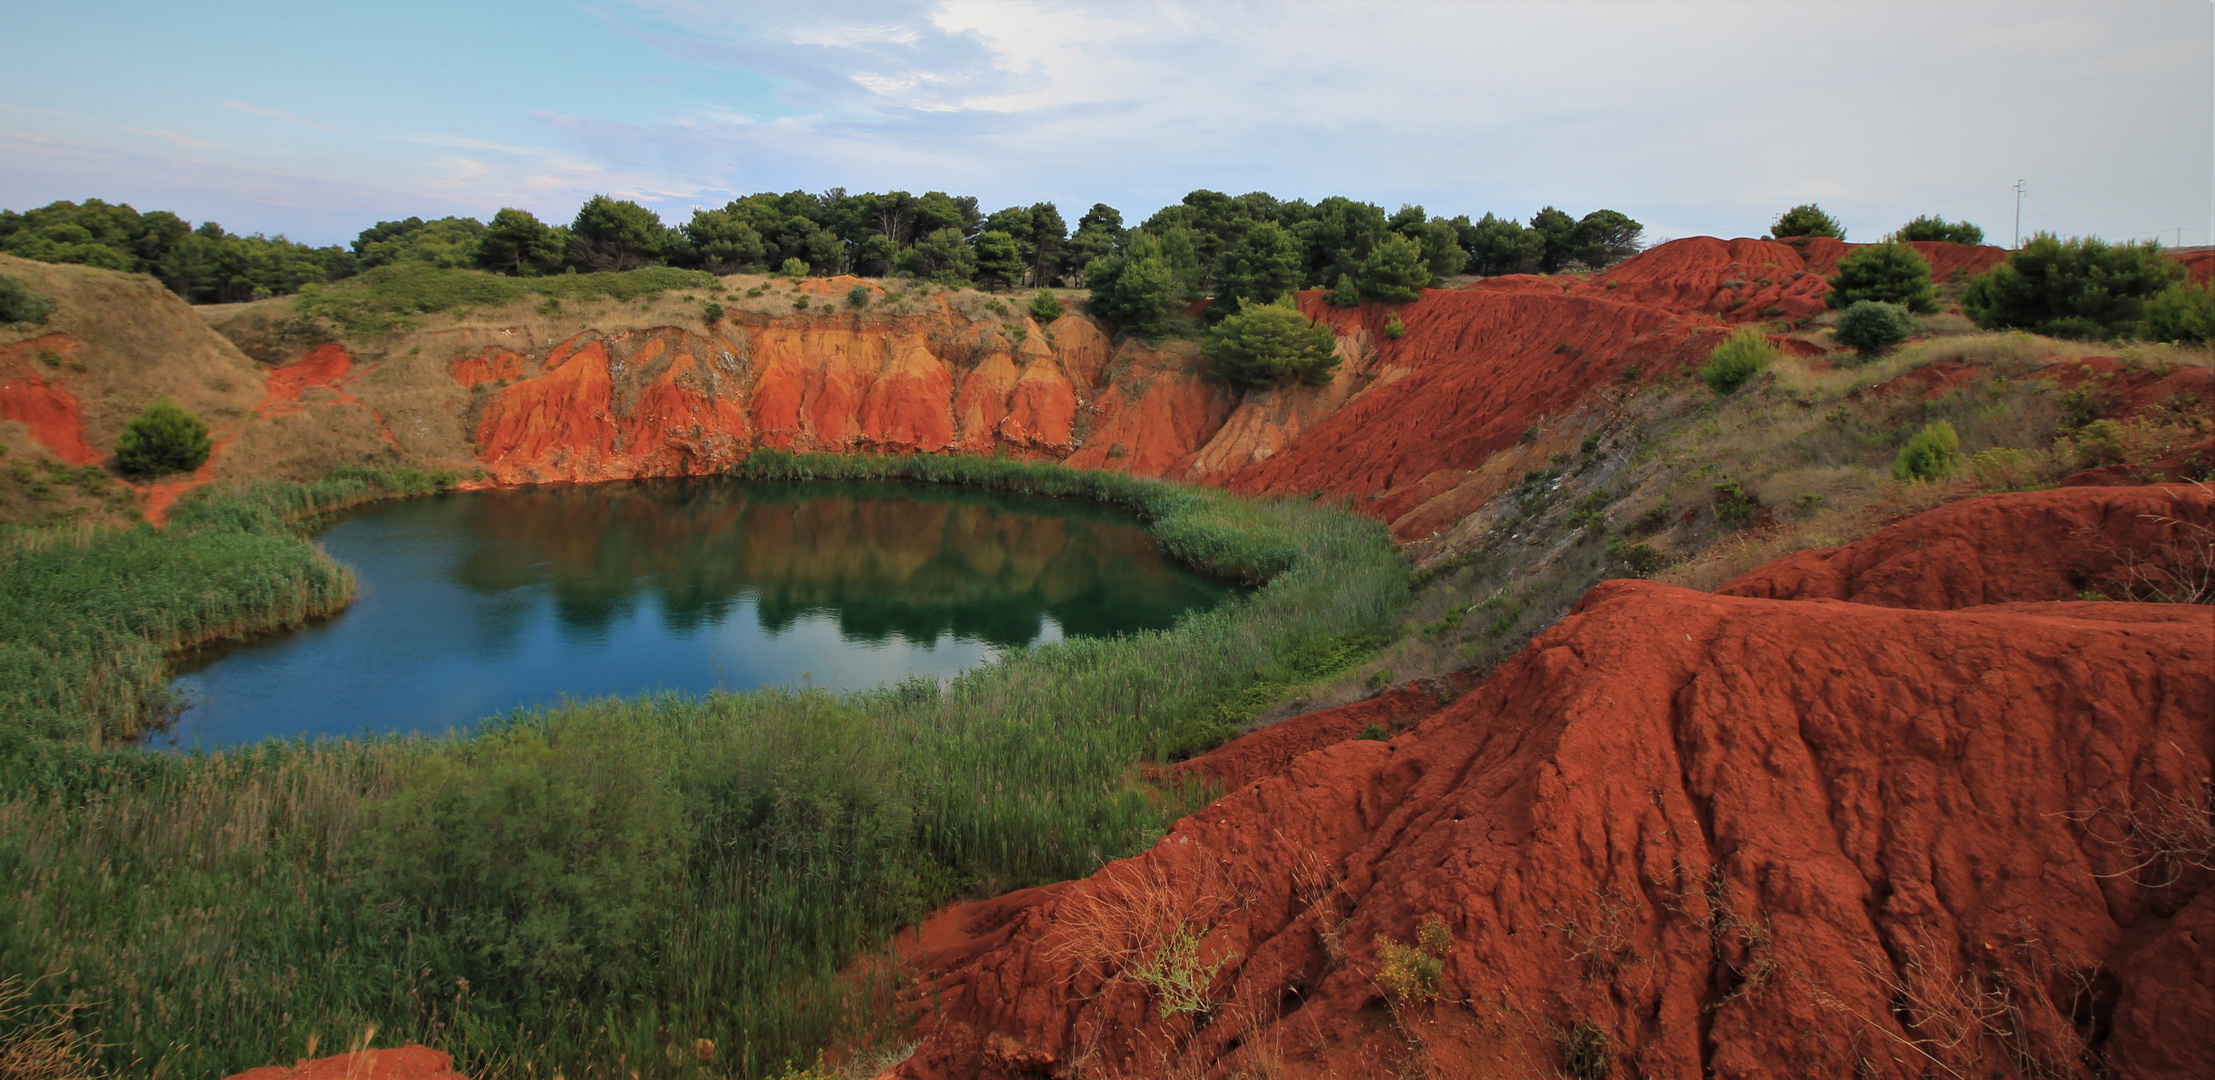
1136, 289
712, 313
2080, 288
1806, 219
1000, 262
1869, 327
395, 297
1394, 328
1343, 294
1889, 273
591, 889
1933, 227
1265, 344
1934, 453
89, 615
1745, 354
1394, 270
2184, 312
18, 304
1046, 307
162, 438
1414, 974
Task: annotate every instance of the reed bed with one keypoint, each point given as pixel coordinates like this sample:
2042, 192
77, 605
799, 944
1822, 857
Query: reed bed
666, 886
88, 616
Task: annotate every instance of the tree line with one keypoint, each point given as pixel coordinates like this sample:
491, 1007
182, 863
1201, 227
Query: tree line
1253, 246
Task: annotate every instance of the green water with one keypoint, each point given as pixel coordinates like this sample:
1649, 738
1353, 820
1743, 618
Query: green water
475, 603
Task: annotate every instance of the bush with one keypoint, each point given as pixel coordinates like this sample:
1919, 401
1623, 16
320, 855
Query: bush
18, 304
163, 438
1934, 453
1394, 328
1046, 307
1933, 227
713, 313
1891, 273
1735, 507
1343, 294
1394, 270
1806, 219
794, 268
1413, 974
1869, 327
1737, 360
2186, 312
2005, 469
1270, 343
2081, 288
858, 296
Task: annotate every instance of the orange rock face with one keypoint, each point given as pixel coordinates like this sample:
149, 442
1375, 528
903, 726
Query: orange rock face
1679, 835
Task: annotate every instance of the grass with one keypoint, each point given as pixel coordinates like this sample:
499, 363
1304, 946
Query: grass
394, 297
594, 889
88, 616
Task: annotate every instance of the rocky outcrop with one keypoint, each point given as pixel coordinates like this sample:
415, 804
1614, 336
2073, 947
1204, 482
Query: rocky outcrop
1683, 835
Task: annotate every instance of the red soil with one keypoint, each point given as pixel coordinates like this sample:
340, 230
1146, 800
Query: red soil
1477, 368
398, 1063
2200, 263
1725, 832
2002, 549
1271, 750
52, 413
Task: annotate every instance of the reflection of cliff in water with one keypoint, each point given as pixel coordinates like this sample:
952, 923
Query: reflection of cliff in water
888, 561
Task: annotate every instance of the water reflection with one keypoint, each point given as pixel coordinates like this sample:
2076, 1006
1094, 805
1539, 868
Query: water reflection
473, 603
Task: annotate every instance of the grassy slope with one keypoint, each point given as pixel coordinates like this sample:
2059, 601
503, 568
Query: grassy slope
589, 889
1805, 440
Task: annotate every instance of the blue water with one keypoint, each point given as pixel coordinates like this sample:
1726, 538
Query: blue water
472, 604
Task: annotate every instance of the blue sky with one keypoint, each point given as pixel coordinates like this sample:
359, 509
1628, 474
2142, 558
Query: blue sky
317, 119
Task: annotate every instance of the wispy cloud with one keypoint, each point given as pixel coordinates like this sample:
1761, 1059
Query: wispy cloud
256, 110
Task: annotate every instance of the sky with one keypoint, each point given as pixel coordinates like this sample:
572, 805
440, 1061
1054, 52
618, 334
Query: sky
315, 120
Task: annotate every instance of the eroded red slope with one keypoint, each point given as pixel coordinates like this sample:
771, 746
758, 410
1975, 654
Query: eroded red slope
1710, 835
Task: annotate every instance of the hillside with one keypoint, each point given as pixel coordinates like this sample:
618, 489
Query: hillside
1873, 775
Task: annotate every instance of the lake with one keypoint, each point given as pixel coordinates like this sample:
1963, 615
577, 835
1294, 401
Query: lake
475, 603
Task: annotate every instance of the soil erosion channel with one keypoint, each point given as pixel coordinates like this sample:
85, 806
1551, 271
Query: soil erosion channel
474, 603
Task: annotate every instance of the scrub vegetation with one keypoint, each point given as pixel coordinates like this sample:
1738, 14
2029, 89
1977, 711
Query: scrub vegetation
665, 886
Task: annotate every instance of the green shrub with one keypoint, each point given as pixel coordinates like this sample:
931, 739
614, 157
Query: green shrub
1806, 219
2005, 469
1046, 307
1414, 974
18, 304
1735, 507
858, 296
2080, 288
1737, 360
1933, 227
1394, 270
1585, 1052
2185, 312
162, 438
1343, 294
713, 313
1890, 273
1933, 453
1375, 733
1265, 344
1870, 327
795, 268
1394, 328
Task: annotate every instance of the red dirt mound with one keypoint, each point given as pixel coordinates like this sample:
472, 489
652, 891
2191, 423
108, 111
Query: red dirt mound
1681, 835
1685, 835
399, 1063
1743, 280
1477, 368
2199, 262
2000, 549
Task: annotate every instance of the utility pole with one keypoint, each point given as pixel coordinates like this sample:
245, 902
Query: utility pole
2018, 216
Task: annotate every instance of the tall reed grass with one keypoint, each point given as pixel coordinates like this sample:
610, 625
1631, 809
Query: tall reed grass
87, 617
591, 890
